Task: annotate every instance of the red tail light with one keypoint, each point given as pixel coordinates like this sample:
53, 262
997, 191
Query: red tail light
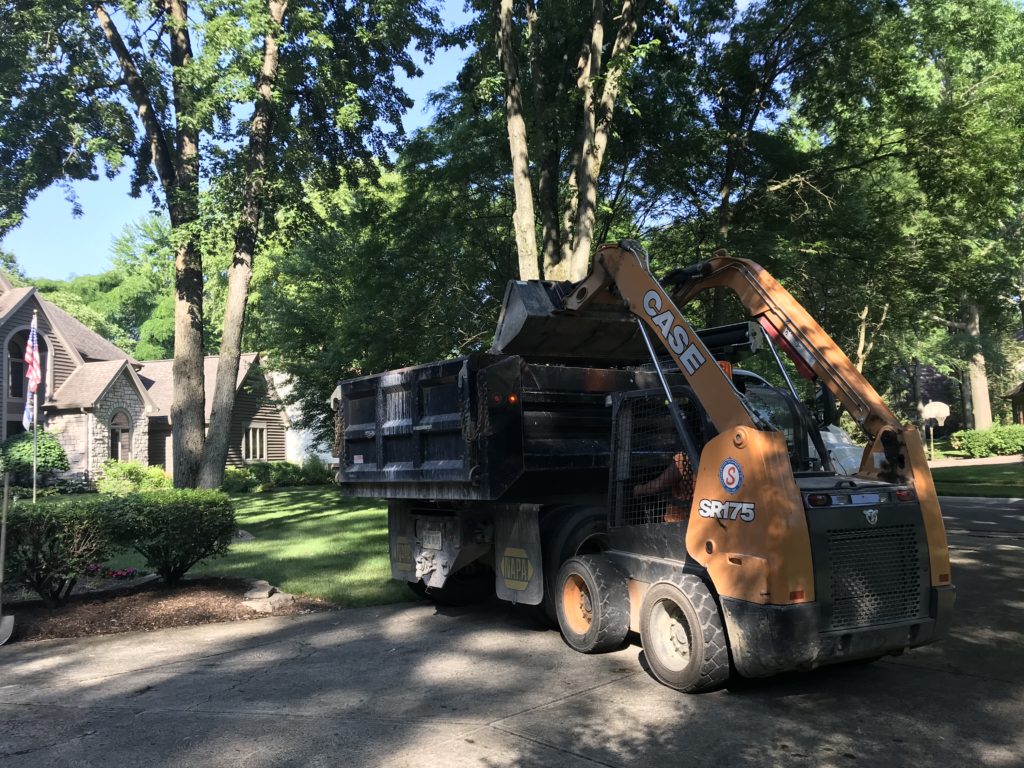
906, 494
819, 499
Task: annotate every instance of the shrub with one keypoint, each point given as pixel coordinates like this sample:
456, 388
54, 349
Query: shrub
121, 477
285, 473
315, 471
51, 544
175, 529
997, 441
17, 456
237, 481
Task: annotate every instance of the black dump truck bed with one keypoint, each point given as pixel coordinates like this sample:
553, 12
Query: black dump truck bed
482, 428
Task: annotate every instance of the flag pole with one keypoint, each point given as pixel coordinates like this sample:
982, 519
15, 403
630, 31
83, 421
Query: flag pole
35, 444
35, 428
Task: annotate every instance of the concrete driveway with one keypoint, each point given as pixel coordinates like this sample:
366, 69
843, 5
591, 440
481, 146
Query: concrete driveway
409, 685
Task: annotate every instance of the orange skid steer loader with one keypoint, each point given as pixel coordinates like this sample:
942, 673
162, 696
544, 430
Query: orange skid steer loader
623, 471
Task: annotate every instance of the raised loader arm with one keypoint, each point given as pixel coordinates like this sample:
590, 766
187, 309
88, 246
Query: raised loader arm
623, 266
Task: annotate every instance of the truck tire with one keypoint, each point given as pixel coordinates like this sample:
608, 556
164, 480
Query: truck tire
592, 604
682, 635
566, 532
472, 584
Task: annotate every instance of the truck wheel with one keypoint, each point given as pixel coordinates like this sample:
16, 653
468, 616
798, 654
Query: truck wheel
472, 584
682, 636
592, 603
567, 532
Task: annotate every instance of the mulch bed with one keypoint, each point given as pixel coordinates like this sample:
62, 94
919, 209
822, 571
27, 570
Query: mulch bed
153, 605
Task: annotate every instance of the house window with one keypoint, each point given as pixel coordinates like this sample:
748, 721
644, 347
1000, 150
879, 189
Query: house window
254, 444
16, 355
121, 437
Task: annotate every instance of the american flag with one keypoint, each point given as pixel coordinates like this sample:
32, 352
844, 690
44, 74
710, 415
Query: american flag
33, 373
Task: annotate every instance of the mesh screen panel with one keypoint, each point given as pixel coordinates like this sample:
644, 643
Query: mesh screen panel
649, 484
876, 576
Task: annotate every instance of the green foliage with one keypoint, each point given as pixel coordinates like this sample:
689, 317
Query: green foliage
997, 441
123, 477
16, 454
316, 471
237, 481
263, 476
173, 530
52, 543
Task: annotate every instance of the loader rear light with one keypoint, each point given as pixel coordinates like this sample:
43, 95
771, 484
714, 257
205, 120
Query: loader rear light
796, 594
906, 494
819, 499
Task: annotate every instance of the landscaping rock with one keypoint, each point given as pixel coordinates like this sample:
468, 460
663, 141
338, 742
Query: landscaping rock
270, 603
259, 590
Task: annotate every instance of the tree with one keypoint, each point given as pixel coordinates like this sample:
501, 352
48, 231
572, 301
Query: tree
319, 77
576, 78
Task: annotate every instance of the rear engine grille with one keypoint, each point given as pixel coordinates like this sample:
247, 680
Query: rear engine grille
876, 576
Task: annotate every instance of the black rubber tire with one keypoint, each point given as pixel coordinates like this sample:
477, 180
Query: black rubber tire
568, 531
592, 604
470, 585
682, 635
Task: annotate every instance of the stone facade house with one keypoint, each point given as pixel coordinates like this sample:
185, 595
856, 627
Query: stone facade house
102, 404
90, 397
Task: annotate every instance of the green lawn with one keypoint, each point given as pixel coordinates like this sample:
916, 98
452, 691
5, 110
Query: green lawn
311, 541
1004, 480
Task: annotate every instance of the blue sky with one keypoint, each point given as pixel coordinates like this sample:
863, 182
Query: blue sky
53, 243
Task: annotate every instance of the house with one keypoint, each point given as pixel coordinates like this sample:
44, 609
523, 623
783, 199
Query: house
258, 422
103, 404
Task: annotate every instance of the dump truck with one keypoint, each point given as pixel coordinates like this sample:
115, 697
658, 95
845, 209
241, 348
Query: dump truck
625, 473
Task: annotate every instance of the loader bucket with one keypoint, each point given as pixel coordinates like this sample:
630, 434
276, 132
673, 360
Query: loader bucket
534, 326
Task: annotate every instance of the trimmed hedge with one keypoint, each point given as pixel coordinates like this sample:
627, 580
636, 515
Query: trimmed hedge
266, 475
122, 477
175, 529
52, 543
997, 441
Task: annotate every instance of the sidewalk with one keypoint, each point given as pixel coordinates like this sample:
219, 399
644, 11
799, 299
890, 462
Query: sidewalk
1016, 459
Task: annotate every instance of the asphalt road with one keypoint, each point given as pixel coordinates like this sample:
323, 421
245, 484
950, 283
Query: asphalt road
409, 685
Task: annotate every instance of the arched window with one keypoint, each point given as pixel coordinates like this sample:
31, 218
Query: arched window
16, 367
120, 437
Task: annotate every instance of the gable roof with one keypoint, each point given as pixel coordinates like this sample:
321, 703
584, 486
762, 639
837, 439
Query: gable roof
78, 338
90, 381
89, 344
156, 376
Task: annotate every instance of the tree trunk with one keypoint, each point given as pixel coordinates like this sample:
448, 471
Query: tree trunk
523, 220
240, 272
188, 406
977, 376
598, 126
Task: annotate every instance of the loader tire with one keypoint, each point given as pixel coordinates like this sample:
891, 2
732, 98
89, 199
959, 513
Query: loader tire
682, 635
566, 532
592, 603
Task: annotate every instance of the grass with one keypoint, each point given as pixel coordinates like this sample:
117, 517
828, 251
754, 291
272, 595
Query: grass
999, 480
310, 541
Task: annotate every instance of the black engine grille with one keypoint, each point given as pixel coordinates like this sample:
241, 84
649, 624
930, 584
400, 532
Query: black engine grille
876, 576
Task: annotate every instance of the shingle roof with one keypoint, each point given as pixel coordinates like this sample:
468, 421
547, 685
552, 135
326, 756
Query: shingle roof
157, 378
11, 299
90, 345
89, 381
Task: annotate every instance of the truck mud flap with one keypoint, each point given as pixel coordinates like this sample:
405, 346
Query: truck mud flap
519, 573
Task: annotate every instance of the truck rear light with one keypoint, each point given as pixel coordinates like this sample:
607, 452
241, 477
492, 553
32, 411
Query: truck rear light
906, 494
819, 499
513, 399
943, 578
796, 594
